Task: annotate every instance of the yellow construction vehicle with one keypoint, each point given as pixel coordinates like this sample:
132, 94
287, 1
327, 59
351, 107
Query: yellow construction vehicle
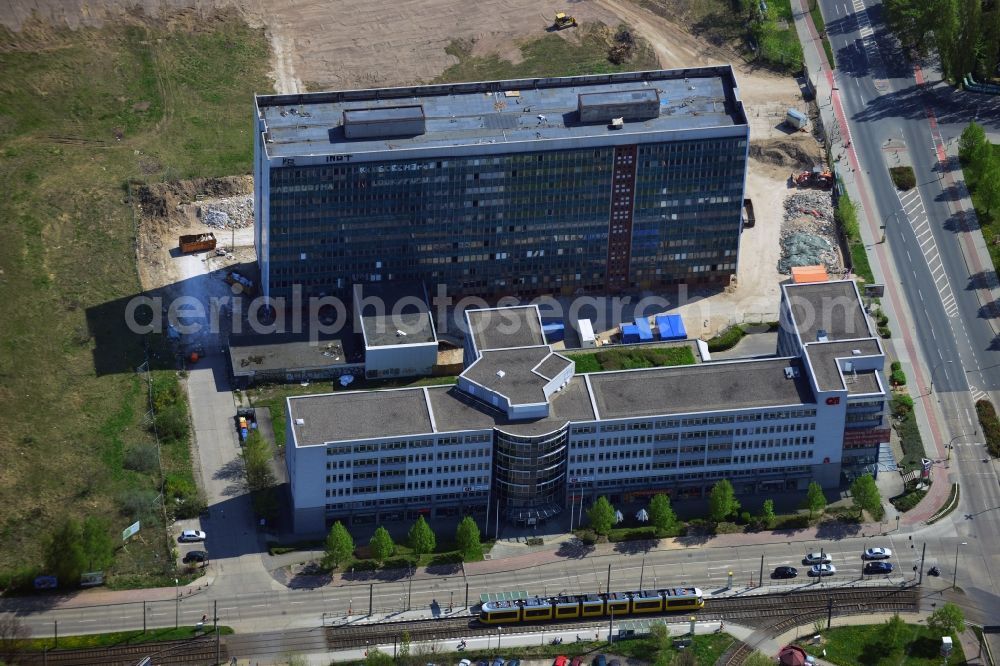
564, 21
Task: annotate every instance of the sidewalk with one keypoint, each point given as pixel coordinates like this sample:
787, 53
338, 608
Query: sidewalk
834, 119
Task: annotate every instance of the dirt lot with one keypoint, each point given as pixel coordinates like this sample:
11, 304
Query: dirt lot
393, 42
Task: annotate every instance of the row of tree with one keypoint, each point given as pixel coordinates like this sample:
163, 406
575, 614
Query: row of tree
965, 33
982, 169
421, 540
722, 505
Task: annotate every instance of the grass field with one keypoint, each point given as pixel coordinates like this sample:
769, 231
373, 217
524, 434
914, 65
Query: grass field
82, 113
550, 55
865, 645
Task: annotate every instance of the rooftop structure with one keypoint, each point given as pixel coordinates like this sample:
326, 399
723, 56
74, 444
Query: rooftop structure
419, 119
393, 314
505, 328
827, 311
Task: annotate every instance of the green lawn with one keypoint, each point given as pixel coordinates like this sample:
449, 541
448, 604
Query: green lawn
119, 638
779, 47
817, 17
864, 645
81, 113
629, 358
707, 648
581, 50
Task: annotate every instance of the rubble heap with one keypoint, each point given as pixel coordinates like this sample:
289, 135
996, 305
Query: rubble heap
228, 213
808, 233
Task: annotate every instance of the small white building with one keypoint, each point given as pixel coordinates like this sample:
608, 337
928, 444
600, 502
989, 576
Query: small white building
397, 327
586, 330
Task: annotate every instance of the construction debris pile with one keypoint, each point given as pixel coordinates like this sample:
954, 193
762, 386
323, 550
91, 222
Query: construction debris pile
229, 213
808, 233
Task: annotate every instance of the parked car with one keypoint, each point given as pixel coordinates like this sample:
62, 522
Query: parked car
514, 662
878, 568
614, 662
465, 662
188, 536
785, 572
561, 660
482, 662
817, 558
499, 661
822, 570
600, 660
876, 554
577, 661
194, 556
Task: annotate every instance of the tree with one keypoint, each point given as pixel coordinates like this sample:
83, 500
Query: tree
403, 656
339, 545
257, 460
601, 515
467, 538
892, 635
972, 145
98, 546
947, 620
382, 545
722, 501
12, 632
65, 557
659, 637
375, 657
661, 514
421, 537
865, 496
815, 499
988, 187
767, 513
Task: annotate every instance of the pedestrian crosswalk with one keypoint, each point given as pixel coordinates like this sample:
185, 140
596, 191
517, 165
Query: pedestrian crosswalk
913, 209
870, 45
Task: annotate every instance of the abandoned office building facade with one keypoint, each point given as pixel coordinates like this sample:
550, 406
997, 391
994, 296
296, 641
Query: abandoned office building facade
522, 436
598, 183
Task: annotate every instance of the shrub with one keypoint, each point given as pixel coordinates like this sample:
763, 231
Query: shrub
884, 332
727, 339
990, 424
902, 405
908, 500
903, 177
897, 377
172, 423
745, 518
141, 458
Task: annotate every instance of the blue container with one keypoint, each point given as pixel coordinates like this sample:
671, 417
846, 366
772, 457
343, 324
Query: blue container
554, 332
630, 333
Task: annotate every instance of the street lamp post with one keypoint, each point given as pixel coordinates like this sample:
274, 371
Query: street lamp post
930, 390
951, 444
954, 573
177, 603
499, 631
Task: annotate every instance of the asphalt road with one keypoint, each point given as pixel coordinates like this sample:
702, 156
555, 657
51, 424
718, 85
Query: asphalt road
705, 567
883, 102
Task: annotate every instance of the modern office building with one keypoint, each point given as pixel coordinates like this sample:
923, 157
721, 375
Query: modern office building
522, 437
599, 183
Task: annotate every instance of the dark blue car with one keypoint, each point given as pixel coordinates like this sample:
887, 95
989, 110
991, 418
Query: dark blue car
878, 568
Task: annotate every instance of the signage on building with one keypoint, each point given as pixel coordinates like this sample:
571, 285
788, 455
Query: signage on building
581, 479
130, 530
92, 578
865, 437
833, 401
46, 583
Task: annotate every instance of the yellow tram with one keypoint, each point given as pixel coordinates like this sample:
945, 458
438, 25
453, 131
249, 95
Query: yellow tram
568, 607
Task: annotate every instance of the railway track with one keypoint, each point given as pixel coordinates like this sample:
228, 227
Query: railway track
757, 611
193, 651
888, 600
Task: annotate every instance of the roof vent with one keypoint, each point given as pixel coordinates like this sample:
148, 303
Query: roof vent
856, 352
400, 333
501, 374
791, 373
300, 421
821, 335
617, 123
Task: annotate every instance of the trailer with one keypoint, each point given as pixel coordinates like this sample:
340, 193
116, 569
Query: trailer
796, 119
197, 242
586, 329
748, 217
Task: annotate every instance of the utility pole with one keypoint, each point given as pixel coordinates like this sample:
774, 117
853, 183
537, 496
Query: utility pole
371, 597
215, 613
829, 611
466, 595
608, 589
642, 570
923, 552
409, 590
143, 616
761, 579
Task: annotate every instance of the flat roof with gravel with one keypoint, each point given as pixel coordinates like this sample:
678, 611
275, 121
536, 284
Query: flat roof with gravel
394, 313
700, 388
827, 370
334, 417
505, 328
830, 307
